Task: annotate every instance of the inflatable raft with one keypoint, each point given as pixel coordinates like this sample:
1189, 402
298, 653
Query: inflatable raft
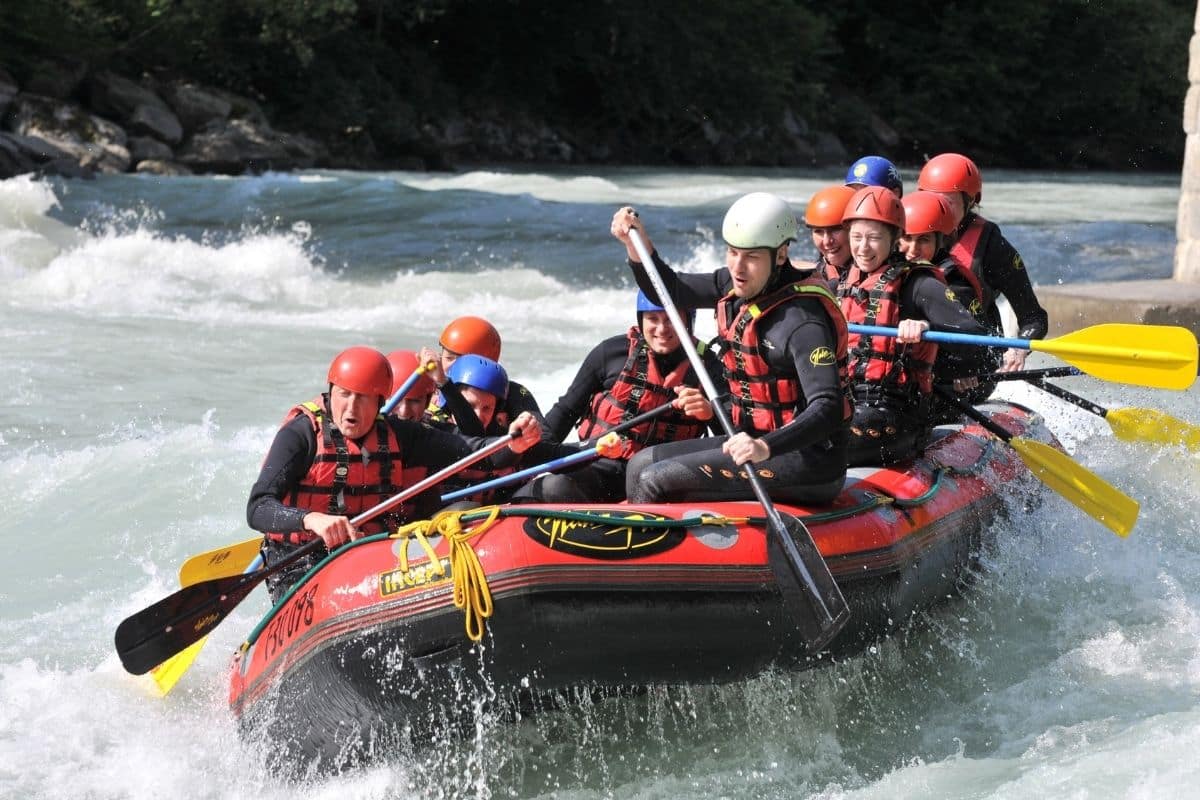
395, 635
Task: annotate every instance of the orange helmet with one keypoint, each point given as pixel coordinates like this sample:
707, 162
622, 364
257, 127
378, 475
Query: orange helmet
951, 172
364, 370
404, 363
927, 212
875, 203
826, 207
472, 336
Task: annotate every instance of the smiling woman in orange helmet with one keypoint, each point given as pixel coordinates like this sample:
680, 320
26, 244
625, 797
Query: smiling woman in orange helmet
979, 246
335, 457
823, 216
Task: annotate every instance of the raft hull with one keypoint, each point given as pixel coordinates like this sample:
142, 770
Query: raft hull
365, 656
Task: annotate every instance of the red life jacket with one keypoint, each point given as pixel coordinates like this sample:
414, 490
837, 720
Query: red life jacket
831, 272
957, 277
879, 362
764, 398
346, 478
639, 388
967, 254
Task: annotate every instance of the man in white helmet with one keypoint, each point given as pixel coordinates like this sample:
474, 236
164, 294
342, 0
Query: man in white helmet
783, 341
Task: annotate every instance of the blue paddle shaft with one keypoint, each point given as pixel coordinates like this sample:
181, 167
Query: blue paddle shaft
404, 389
947, 336
505, 480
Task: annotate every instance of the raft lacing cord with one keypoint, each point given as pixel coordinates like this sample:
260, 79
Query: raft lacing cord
471, 592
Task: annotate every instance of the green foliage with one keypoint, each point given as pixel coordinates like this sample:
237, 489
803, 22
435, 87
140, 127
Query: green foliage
1026, 82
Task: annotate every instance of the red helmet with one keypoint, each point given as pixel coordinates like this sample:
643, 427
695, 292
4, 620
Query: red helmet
826, 207
472, 336
404, 363
875, 203
927, 212
364, 370
951, 172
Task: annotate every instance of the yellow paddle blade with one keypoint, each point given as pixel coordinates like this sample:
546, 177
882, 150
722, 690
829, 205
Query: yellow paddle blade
1148, 425
1161, 356
168, 673
1116, 510
231, 559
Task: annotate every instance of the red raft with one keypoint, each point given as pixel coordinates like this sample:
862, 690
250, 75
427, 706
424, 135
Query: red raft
372, 647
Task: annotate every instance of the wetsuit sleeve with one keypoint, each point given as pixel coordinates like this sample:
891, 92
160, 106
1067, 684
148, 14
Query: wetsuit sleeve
805, 331
590, 379
1004, 271
701, 290
287, 462
434, 449
460, 409
520, 400
934, 302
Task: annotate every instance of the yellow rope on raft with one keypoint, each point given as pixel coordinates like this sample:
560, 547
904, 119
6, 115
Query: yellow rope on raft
471, 592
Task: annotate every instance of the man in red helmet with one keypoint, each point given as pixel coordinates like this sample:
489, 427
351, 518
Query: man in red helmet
476, 336
978, 245
335, 457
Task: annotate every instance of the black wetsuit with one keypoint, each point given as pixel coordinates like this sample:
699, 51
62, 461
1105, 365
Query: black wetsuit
1002, 271
518, 400
808, 454
602, 480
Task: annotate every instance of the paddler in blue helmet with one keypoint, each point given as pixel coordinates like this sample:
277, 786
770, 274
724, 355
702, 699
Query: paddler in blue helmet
483, 384
475, 336
621, 378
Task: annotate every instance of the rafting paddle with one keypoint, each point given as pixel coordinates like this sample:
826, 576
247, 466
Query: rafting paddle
1130, 424
808, 588
1159, 356
158, 632
1116, 510
168, 673
220, 562
406, 387
593, 451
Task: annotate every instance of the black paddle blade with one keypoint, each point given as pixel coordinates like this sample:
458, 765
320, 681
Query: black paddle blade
154, 634
817, 606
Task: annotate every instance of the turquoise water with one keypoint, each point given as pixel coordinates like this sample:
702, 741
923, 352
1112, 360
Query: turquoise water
154, 331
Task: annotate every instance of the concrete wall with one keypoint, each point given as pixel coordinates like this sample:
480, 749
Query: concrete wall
1187, 226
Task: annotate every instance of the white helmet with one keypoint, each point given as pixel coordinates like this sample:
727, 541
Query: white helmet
758, 219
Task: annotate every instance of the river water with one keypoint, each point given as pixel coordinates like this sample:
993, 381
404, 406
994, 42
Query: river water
154, 331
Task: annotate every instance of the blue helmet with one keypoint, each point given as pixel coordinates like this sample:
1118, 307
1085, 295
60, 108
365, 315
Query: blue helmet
875, 171
479, 373
646, 304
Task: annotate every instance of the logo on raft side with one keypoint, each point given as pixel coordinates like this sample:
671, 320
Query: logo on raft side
618, 538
